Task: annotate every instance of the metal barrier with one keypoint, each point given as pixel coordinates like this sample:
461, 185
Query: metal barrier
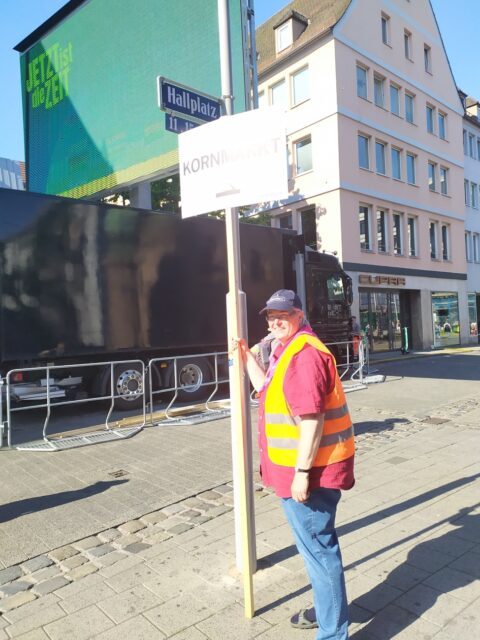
193, 414
351, 371
108, 433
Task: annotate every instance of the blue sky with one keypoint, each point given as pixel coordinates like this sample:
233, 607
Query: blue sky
458, 23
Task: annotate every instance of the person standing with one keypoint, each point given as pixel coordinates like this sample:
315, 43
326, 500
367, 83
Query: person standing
306, 452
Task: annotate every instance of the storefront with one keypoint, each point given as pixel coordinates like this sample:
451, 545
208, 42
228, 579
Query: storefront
473, 312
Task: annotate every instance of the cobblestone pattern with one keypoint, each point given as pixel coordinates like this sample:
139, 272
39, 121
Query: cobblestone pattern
23, 583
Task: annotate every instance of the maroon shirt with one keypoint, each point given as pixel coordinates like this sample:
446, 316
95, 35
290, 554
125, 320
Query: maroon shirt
309, 378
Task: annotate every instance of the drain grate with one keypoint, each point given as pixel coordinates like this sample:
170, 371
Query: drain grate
71, 442
195, 418
432, 420
118, 473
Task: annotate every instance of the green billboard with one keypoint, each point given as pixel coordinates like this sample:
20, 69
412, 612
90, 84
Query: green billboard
89, 84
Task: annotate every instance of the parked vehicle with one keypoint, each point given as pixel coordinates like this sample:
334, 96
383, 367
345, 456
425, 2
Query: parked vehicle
83, 282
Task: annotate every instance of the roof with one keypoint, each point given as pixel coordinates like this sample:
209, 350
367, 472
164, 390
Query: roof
49, 24
322, 16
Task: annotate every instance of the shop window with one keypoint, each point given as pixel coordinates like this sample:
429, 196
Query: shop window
472, 314
446, 324
364, 223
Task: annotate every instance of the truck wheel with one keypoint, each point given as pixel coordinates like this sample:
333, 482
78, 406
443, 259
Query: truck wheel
128, 386
191, 375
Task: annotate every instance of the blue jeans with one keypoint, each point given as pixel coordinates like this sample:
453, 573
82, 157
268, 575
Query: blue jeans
313, 525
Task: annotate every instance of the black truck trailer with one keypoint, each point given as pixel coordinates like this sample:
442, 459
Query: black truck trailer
83, 282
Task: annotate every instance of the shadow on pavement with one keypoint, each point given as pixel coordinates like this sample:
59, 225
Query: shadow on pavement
378, 425
13, 510
439, 367
424, 564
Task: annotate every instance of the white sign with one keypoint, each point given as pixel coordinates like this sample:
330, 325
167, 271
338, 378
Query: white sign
236, 160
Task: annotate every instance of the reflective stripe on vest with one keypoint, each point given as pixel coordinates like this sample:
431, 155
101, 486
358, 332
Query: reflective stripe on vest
282, 427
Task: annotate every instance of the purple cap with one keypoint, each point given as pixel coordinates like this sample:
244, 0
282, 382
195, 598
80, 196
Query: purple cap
283, 300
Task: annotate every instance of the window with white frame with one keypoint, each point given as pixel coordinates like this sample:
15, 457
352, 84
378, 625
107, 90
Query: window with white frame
381, 231
395, 99
397, 233
362, 82
444, 180
385, 26
445, 242
300, 86
466, 187
431, 176
363, 151
430, 112
396, 163
407, 44
283, 36
278, 94
468, 240
471, 145
433, 240
427, 58
411, 169
380, 165
412, 236
303, 155
474, 195
465, 144
478, 148
442, 125
475, 253
409, 107
364, 223
379, 90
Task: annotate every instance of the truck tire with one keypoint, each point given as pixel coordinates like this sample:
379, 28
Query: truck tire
192, 373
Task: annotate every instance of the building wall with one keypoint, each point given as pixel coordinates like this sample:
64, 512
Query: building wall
11, 174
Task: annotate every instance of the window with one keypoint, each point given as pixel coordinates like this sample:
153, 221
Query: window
262, 101
442, 125
362, 91
309, 227
427, 58
397, 233
476, 256
465, 142
466, 188
278, 94
363, 152
409, 107
431, 176
445, 242
444, 181
468, 253
395, 99
283, 36
396, 163
411, 168
433, 240
471, 145
478, 148
378, 91
407, 43
300, 86
303, 155
381, 231
473, 195
412, 240
380, 157
430, 118
286, 221
364, 222
385, 24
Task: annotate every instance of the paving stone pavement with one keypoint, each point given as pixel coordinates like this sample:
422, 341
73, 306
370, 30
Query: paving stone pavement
409, 530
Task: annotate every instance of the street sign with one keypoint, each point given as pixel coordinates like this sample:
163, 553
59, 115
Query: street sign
237, 160
175, 124
177, 98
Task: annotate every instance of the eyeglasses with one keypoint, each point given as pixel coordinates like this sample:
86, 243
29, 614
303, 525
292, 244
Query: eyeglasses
280, 317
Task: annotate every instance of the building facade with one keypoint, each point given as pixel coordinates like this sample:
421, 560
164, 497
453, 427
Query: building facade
375, 145
12, 174
471, 150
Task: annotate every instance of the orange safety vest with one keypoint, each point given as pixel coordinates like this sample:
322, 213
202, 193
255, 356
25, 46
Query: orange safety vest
282, 428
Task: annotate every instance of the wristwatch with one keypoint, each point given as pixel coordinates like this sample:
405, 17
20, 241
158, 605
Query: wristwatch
298, 470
